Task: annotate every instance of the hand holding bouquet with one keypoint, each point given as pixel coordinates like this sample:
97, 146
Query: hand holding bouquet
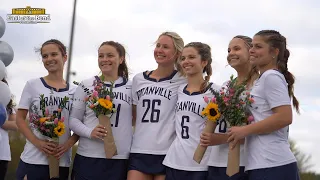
233, 101
50, 124
99, 100
212, 114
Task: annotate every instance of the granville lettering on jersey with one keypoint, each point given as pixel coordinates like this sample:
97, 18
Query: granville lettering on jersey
123, 97
189, 106
154, 90
55, 101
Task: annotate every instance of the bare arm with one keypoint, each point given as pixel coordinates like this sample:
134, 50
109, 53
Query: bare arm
134, 115
281, 118
62, 148
11, 123
23, 126
73, 139
45, 147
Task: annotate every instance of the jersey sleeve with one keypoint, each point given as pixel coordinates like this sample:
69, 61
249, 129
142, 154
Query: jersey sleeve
26, 97
77, 114
276, 90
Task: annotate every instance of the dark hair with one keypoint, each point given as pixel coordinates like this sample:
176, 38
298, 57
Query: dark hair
60, 45
204, 51
10, 105
248, 42
277, 41
123, 68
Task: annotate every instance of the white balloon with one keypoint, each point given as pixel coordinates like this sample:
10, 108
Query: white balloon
5, 94
2, 70
2, 26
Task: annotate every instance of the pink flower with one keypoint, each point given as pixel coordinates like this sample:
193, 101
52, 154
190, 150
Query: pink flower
62, 119
95, 93
56, 121
231, 91
47, 130
225, 99
47, 112
213, 99
247, 93
206, 99
250, 118
251, 100
43, 128
108, 97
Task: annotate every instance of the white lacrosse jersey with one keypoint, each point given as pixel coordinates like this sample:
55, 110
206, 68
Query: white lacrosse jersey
219, 153
189, 124
5, 153
273, 149
30, 101
155, 102
83, 119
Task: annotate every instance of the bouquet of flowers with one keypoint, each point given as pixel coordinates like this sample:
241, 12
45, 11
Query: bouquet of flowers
100, 101
50, 124
212, 114
233, 101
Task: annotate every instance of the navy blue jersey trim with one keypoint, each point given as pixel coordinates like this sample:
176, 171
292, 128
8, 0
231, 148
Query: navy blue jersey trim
49, 87
147, 76
124, 82
195, 93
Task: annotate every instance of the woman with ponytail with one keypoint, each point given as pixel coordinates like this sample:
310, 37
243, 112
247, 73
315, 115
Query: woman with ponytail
267, 148
189, 123
238, 59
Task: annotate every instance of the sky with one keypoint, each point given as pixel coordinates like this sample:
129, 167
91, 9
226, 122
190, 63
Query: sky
137, 25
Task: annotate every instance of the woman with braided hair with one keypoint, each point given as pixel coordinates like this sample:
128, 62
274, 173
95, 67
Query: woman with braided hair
189, 123
267, 148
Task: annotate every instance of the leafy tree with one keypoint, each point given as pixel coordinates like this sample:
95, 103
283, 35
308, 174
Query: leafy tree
304, 164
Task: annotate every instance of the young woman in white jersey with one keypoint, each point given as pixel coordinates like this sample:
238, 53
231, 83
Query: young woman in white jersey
154, 97
189, 123
90, 161
34, 160
238, 59
10, 124
267, 148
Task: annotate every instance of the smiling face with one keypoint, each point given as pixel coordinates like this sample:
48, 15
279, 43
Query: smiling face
261, 54
109, 59
52, 58
238, 53
191, 61
165, 51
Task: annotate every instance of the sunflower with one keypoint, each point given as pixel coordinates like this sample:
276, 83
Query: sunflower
211, 112
105, 103
59, 130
